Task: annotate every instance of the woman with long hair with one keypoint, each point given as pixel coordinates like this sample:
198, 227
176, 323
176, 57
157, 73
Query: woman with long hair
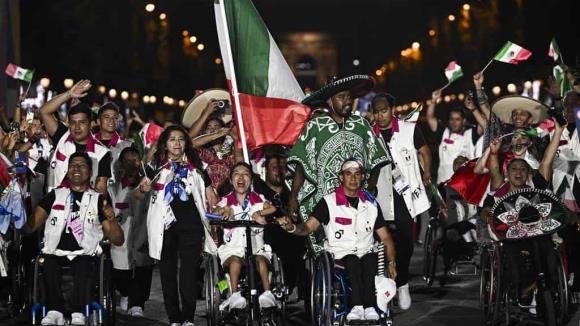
177, 228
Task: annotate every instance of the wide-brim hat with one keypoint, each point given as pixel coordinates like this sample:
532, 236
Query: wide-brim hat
503, 108
195, 107
527, 213
358, 85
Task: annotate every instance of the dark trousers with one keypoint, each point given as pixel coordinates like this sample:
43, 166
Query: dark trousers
361, 274
404, 241
135, 284
290, 249
184, 245
83, 269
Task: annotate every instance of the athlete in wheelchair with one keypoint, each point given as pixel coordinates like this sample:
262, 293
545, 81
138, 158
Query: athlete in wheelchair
350, 218
242, 215
76, 219
451, 233
522, 272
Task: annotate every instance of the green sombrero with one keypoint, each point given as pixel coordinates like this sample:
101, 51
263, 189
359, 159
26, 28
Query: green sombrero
358, 85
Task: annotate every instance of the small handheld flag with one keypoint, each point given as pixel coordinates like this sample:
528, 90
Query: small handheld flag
16, 72
453, 72
554, 51
510, 53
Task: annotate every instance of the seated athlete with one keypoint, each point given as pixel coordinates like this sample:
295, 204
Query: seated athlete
244, 204
350, 218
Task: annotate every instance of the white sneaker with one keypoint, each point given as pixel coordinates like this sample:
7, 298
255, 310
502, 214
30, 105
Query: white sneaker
371, 314
356, 313
53, 317
533, 310
404, 297
267, 299
124, 303
135, 311
175, 324
77, 318
187, 323
237, 301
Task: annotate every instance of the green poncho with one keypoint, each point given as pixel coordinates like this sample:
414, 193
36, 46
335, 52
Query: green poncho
322, 148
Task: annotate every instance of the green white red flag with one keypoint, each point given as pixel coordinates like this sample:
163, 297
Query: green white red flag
17, 72
259, 77
512, 53
554, 51
453, 71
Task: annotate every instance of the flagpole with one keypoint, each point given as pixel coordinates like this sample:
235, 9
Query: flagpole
444, 87
234, 83
487, 65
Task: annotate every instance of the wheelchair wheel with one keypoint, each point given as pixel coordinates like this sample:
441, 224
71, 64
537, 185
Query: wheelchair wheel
320, 295
547, 307
490, 284
279, 288
212, 294
107, 291
430, 253
561, 292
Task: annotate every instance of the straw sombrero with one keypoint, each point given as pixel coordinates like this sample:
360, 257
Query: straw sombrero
527, 213
196, 106
504, 107
359, 85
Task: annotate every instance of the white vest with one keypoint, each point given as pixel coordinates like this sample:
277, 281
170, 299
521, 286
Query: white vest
567, 167
349, 230
451, 146
236, 237
158, 212
57, 220
131, 216
116, 146
63, 150
404, 154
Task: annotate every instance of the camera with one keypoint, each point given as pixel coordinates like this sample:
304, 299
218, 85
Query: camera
222, 105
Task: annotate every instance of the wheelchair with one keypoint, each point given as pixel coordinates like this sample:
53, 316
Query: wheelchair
217, 286
102, 308
532, 263
457, 255
330, 291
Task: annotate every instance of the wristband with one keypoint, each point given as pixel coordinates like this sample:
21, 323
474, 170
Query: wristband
293, 229
493, 153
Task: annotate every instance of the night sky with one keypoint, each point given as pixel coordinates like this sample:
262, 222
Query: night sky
118, 44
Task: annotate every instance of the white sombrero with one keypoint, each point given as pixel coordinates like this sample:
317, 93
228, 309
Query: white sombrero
504, 107
196, 106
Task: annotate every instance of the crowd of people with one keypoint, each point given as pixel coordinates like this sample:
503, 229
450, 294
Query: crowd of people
349, 181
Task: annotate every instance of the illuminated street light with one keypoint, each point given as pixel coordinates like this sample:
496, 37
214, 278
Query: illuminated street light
134, 95
218, 61
124, 95
181, 103
447, 98
355, 62
45, 82
192, 39
162, 16
466, 7
152, 99
511, 88
378, 72
432, 32
451, 18
416, 46
102, 89
496, 90
68, 83
528, 84
461, 96
146, 99
149, 7
200, 46
112, 93
185, 33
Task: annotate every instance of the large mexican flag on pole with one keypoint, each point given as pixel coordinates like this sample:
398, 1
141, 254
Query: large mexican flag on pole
260, 81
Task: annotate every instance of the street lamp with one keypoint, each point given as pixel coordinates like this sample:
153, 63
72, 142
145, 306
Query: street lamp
416, 46
146, 99
218, 61
68, 83
124, 95
149, 7
162, 16
152, 99
466, 7
102, 89
511, 88
451, 18
200, 46
45, 82
432, 32
496, 90
192, 39
355, 62
112, 93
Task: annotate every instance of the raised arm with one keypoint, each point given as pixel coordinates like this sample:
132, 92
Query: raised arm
47, 111
111, 228
481, 120
204, 139
480, 93
494, 170
431, 119
198, 124
545, 168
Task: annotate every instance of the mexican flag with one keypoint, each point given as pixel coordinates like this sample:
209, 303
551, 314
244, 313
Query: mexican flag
542, 130
562, 80
269, 95
16, 72
512, 53
453, 71
148, 135
554, 51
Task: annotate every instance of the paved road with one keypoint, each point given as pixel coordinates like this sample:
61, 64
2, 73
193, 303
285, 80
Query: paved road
456, 304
